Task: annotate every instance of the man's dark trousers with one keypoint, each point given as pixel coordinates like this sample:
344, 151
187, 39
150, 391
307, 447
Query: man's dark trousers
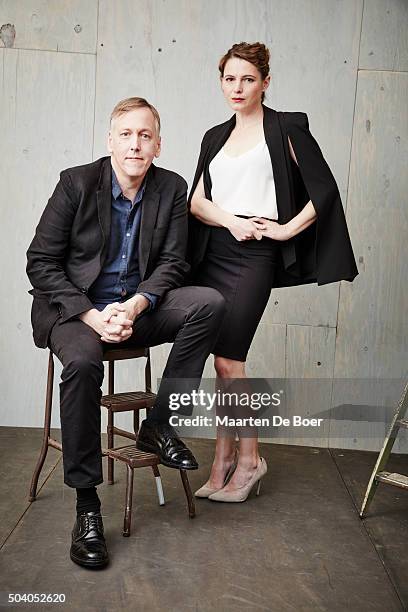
188, 316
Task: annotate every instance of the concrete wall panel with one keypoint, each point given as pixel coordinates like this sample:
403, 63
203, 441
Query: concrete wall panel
384, 40
37, 142
52, 25
372, 320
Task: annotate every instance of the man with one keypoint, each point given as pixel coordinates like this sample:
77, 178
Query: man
107, 265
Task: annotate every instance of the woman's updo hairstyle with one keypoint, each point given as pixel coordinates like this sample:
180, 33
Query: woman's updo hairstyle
255, 53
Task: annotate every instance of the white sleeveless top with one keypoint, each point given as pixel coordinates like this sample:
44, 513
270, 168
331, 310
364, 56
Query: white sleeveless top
244, 185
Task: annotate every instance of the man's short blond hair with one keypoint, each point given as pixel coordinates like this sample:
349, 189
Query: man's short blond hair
130, 104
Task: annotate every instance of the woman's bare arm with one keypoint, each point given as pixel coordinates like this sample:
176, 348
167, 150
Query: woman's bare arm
206, 211
306, 216
211, 214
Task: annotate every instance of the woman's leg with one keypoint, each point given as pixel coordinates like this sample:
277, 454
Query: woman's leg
223, 458
248, 459
244, 275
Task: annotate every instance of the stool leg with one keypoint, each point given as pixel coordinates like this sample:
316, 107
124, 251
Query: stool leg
110, 445
148, 377
136, 422
47, 428
189, 495
129, 501
111, 390
148, 373
159, 485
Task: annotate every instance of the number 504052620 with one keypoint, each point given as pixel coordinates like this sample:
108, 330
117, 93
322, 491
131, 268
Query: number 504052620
36, 598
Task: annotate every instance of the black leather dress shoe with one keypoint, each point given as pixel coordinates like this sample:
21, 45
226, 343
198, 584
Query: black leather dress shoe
162, 439
88, 546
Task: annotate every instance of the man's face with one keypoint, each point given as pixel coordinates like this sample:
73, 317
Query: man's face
133, 142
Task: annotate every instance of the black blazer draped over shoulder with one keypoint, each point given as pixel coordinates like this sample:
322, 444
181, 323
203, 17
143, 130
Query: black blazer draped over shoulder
322, 252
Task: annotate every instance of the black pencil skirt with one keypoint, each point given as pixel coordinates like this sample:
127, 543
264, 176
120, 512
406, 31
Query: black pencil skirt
243, 272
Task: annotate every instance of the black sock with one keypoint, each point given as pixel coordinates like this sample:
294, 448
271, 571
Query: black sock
156, 415
153, 416
87, 500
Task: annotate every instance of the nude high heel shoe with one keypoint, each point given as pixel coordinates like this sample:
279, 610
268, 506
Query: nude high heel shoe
241, 494
205, 491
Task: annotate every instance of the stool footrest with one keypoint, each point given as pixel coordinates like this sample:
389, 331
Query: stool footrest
132, 456
125, 434
54, 444
135, 400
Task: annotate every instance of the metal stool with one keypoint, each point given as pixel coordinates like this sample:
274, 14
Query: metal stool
130, 455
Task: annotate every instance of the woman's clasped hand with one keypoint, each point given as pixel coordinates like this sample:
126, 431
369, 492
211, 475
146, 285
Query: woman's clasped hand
257, 228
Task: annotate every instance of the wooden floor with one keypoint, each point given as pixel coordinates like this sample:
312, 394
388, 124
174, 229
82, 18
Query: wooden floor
299, 546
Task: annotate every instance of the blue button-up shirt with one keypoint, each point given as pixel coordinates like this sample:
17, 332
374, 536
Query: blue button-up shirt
119, 278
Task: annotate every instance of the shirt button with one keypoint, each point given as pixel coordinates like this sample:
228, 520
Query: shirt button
128, 235
123, 256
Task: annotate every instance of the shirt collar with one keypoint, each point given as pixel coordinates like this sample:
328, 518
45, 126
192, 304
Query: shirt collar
117, 189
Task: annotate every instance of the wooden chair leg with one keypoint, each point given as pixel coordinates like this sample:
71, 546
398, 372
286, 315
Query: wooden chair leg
47, 429
129, 500
189, 495
159, 485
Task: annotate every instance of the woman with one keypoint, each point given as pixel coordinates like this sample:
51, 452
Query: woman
260, 184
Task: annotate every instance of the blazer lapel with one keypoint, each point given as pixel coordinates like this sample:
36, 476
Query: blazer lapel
104, 204
150, 207
217, 143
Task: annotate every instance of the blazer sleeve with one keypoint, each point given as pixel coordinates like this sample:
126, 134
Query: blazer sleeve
333, 250
47, 251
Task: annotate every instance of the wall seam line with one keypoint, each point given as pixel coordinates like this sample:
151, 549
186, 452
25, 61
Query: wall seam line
345, 214
96, 79
58, 51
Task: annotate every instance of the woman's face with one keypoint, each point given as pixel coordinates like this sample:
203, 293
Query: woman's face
242, 84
